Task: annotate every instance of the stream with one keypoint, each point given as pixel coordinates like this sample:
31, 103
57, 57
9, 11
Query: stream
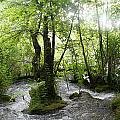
90, 106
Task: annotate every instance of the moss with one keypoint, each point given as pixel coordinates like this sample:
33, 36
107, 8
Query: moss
4, 98
116, 107
39, 108
101, 88
74, 95
117, 114
40, 103
116, 102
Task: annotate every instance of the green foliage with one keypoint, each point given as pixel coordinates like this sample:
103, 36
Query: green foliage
5, 73
13, 60
19, 18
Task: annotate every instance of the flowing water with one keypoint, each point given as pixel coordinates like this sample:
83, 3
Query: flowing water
90, 106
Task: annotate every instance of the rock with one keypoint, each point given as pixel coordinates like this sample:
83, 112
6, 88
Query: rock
74, 95
89, 116
40, 103
86, 94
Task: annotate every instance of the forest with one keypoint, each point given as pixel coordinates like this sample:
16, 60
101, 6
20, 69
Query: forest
47, 42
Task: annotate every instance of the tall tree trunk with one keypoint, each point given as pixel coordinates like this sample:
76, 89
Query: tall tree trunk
53, 36
85, 59
37, 47
36, 58
83, 50
74, 60
109, 76
49, 77
97, 60
66, 45
100, 41
108, 59
108, 55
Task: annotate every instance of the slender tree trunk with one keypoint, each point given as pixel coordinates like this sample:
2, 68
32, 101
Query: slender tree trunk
107, 43
85, 59
65, 76
100, 41
108, 56
75, 68
53, 45
49, 78
53, 35
83, 50
109, 76
37, 47
97, 60
108, 59
36, 58
66, 44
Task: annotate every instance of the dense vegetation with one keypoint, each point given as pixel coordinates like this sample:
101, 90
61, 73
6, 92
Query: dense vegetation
46, 39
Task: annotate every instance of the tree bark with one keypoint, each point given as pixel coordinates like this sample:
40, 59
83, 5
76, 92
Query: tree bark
83, 50
37, 47
36, 58
53, 35
109, 76
66, 44
49, 77
100, 41
85, 59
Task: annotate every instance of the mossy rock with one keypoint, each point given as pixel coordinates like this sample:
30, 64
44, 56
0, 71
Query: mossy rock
115, 104
40, 103
117, 114
102, 88
74, 95
4, 98
40, 108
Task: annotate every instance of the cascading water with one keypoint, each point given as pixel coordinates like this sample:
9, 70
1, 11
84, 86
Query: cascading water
86, 108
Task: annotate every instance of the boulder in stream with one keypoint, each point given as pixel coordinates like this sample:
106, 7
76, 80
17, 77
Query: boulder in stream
40, 103
75, 95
